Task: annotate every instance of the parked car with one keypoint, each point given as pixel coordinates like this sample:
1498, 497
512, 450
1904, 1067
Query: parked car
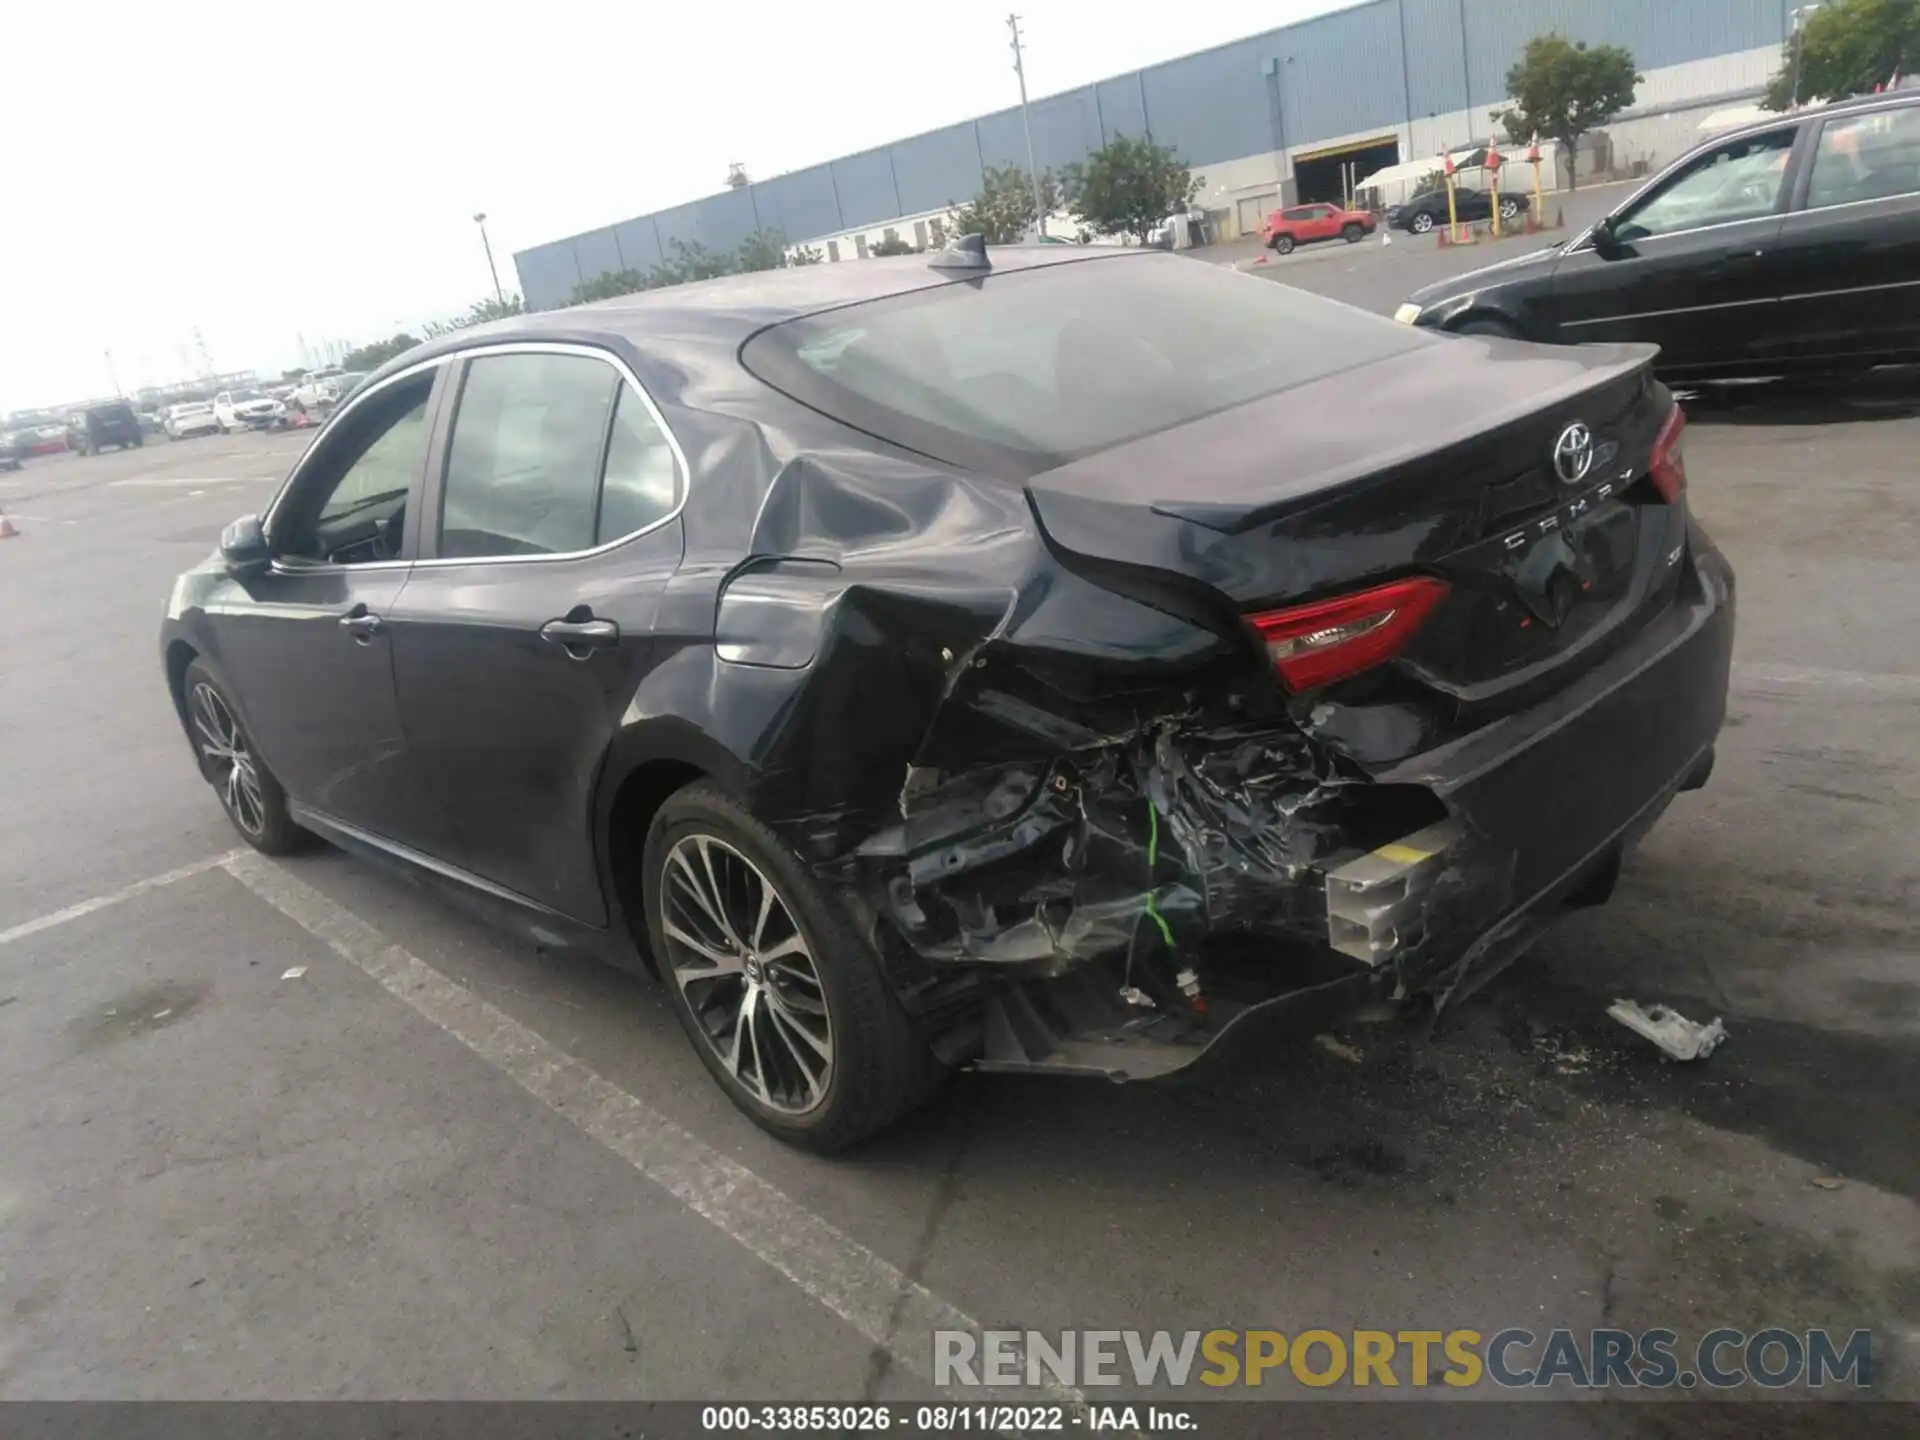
189, 418
1426, 210
46, 439
91, 430
238, 410
922, 664
320, 390
1303, 224
12, 450
1789, 245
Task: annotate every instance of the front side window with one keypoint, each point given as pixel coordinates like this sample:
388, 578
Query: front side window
1740, 180
1866, 157
349, 503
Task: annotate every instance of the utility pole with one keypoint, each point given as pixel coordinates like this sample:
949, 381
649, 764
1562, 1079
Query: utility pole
480, 219
113, 374
1799, 18
1026, 124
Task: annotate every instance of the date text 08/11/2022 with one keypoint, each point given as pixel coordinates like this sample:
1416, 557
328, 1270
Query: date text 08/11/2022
947, 1419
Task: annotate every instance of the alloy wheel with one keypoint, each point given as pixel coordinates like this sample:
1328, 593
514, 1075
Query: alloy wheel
747, 973
1422, 223
236, 774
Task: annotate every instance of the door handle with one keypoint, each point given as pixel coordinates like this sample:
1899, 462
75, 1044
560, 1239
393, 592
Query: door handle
578, 637
360, 623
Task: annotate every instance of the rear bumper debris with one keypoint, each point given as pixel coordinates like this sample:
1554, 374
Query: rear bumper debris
1679, 1037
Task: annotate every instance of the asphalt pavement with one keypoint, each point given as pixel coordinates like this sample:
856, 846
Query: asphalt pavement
300, 1129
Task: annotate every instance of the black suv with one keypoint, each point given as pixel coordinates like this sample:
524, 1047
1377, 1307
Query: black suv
97, 426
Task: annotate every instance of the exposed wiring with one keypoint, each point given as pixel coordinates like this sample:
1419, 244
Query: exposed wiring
1153, 860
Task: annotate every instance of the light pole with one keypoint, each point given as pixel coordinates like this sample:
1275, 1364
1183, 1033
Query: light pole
480, 219
1799, 20
112, 374
1033, 170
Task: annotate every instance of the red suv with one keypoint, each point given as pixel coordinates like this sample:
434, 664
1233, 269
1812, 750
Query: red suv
1301, 224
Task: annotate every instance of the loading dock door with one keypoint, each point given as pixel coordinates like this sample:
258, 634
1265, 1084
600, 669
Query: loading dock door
1330, 175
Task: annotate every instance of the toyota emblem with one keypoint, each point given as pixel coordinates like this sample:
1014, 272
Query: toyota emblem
1573, 454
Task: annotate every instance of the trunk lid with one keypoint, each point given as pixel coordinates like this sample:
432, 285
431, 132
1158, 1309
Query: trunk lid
1437, 461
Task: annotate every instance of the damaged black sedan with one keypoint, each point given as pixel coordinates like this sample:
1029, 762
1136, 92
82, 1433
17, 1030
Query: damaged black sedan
1044, 660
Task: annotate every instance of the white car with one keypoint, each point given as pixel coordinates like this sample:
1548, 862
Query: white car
238, 410
320, 390
192, 417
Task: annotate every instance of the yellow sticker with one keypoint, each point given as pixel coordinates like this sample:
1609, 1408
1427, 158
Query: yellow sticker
1402, 854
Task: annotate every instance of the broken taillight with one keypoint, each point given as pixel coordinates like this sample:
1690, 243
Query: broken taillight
1669, 468
1328, 640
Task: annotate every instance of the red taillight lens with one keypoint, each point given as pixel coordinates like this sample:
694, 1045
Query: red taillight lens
1669, 468
1314, 645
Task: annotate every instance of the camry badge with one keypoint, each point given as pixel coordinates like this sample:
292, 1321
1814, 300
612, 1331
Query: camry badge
1573, 454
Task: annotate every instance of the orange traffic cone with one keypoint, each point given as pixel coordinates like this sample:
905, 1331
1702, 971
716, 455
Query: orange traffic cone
7, 528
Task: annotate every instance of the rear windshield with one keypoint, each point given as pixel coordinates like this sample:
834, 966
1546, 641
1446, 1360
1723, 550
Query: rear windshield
1029, 369
110, 412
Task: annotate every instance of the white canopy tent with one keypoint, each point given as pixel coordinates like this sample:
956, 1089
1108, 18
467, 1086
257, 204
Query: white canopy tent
1397, 184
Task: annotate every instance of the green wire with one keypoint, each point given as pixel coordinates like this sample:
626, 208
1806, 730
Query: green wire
1153, 858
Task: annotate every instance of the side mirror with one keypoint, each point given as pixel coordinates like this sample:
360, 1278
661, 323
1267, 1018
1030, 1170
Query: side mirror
1606, 241
243, 545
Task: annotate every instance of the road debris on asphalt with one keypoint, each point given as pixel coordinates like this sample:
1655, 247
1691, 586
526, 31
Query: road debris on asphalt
1679, 1037
1334, 1045
294, 972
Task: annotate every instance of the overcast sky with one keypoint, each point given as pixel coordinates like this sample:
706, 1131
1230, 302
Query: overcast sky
266, 172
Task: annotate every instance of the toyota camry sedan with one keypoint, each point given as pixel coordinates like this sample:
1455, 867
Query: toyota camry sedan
1028, 659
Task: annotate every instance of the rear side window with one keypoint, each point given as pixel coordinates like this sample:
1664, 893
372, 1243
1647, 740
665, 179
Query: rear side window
1866, 157
642, 482
1026, 370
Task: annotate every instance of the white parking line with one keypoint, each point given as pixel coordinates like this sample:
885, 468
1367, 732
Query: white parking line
1812, 677
101, 902
887, 1307
880, 1301
171, 481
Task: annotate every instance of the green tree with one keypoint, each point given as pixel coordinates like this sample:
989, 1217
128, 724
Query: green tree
1562, 89
1002, 208
1846, 48
891, 244
1128, 186
478, 313
762, 250
805, 255
608, 284
688, 261
372, 357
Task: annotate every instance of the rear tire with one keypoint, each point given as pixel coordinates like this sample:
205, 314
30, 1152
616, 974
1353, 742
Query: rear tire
1283, 244
252, 798
1353, 234
837, 1059
1509, 209
1421, 223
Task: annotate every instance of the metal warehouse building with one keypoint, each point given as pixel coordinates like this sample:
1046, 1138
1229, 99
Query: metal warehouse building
1291, 114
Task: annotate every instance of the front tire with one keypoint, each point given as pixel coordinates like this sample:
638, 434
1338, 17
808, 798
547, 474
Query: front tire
784, 1000
1487, 325
1421, 223
252, 798
1283, 244
1352, 234
1509, 209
